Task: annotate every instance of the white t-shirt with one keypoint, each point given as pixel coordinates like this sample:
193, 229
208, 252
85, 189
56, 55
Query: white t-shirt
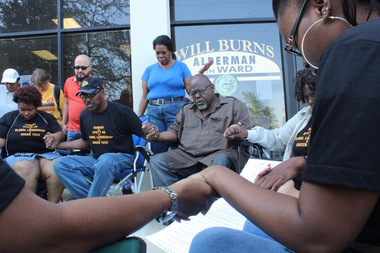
6, 101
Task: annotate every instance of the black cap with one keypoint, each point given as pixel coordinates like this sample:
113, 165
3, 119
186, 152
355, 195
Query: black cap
89, 85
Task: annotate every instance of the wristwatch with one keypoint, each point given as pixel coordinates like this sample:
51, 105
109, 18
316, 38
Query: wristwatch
168, 215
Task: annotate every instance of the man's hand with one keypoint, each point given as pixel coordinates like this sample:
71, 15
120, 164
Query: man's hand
150, 131
273, 178
236, 131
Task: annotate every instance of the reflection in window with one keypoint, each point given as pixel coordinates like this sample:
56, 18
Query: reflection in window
87, 13
20, 16
247, 65
26, 54
185, 10
110, 57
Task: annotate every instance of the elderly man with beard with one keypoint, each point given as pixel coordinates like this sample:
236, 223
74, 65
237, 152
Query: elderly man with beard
107, 128
198, 131
73, 104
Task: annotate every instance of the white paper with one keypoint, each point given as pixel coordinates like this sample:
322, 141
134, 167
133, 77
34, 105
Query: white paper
177, 237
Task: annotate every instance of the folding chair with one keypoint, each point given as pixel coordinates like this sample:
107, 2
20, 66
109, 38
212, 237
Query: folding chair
140, 165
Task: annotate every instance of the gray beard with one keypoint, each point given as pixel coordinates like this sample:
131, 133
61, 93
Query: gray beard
202, 107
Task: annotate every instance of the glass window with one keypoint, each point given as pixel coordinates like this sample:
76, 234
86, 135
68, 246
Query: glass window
247, 65
185, 10
26, 54
88, 13
110, 57
21, 16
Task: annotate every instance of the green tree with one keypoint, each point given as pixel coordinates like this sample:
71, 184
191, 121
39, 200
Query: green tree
260, 113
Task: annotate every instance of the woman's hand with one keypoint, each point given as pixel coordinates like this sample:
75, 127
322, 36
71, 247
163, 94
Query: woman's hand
50, 141
273, 178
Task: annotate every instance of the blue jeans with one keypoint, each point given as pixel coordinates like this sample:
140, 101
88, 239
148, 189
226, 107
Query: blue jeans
71, 135
251, 239
73, 171
163, 175
163, 116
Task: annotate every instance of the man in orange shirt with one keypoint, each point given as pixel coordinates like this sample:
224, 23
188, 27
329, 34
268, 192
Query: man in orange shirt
73, 104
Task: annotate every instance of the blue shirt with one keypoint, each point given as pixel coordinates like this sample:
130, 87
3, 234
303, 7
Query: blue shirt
168, 83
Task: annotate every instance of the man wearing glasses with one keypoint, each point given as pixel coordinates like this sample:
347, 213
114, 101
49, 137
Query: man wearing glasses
11, 81
74, 105
198, 130
106, 128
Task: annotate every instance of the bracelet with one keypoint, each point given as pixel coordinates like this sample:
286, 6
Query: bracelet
169, 214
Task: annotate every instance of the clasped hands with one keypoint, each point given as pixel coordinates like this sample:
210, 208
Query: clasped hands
150, 131
195, 195
236, 131
50, 141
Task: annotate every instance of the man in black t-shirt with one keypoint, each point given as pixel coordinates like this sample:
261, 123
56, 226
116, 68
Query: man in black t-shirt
106, 129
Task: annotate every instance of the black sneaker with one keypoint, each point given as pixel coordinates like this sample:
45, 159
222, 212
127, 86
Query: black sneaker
127, 191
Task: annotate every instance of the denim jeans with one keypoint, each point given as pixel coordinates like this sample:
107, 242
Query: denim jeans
71, 135
73, 170
251, 239
163, 175
163, 116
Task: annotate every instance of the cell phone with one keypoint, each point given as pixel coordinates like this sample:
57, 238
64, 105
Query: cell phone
24, 154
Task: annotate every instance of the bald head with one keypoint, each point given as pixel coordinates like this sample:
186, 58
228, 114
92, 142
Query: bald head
82, 58
82, 67
200, 79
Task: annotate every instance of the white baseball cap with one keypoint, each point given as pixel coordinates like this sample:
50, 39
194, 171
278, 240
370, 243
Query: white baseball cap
10, 76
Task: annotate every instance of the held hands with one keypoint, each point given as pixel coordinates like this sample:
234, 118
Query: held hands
50, 141
194, 195
236, 131
150, 131
274, 178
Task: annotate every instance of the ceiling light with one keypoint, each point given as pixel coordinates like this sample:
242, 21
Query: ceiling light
46, 55
68, 23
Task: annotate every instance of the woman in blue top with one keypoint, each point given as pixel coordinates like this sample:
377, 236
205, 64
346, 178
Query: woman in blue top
164, 85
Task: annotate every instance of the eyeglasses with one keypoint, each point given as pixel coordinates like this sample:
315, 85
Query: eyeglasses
90, 96
81, 67
199, 91
288, 47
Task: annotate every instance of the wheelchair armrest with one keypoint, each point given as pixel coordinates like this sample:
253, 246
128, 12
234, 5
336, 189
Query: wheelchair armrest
251, 147
146, 152
246, 143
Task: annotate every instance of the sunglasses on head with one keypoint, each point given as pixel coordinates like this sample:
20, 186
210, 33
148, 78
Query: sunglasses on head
288, 47
84, 96
81, 67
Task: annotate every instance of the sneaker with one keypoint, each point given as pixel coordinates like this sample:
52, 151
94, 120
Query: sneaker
127, 191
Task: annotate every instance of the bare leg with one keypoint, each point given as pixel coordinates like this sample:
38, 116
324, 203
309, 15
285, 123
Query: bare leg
29, 172
54, 186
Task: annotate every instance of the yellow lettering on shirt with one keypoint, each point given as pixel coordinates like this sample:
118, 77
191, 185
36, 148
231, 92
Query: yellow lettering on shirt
99, 136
